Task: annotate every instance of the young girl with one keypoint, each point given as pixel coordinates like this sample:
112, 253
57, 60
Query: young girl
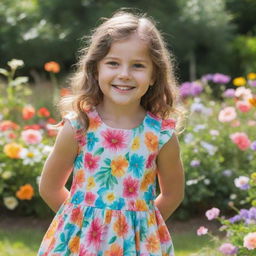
118, 135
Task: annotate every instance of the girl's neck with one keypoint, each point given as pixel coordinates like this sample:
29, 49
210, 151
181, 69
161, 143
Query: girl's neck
128, 116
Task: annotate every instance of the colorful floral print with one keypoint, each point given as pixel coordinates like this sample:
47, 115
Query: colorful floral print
111, 211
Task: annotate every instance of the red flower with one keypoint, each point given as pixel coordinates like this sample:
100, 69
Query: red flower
131, 187
32, 127
95, 233
150, 160
44, 112
90, 198
51, 121
114, 139
28, 112
91, 162
8, 125
168, 124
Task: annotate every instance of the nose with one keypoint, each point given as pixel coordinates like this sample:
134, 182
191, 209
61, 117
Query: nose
124, 73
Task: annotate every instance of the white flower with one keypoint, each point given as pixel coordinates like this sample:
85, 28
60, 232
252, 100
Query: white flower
46, 150
209, 147
207, 181
191, 182
214, 132
10, 202
6, 175
30, 156
14, 63
243, 92
242, 182
233, 196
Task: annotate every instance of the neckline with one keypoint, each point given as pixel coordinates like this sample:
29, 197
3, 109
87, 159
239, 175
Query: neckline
122, 129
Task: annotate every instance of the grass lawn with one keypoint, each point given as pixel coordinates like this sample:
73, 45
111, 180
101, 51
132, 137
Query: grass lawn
25, 242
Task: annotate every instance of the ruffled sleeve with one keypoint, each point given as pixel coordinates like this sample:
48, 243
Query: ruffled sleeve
167, 130
80, 136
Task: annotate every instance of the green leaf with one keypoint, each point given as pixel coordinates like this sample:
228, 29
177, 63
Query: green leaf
112, 240
99, 151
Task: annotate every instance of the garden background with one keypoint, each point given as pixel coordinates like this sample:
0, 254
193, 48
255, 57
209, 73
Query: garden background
214, 44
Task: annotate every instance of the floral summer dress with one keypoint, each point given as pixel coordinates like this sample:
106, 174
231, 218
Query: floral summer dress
111, 211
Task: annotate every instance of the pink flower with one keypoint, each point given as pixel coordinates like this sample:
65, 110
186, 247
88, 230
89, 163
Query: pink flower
228, 249
202, 231
114, 139
227, 114
250, 241
243, 106
150, 160
91, 162
241, 140
95, 233
90, 198
31, 136
168, 124
212, 213
131, 187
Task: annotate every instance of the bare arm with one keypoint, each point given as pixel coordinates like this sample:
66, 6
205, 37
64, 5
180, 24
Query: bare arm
57, 168
171, 178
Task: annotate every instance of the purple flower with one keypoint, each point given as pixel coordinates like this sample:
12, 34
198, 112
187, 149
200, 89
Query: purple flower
220, 78
253, 145
252, 82
207, 77
195, 89
185, 89
252, 213
242, 182
195, 163
227, 173
244, 214
229, 93
228, 249
235, 218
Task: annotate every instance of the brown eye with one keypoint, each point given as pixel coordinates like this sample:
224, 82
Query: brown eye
112, 63
138, 65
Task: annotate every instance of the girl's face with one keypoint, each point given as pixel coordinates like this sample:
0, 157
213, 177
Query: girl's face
125, 73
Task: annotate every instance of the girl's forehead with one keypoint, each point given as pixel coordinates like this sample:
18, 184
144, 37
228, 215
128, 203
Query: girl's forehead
130, 47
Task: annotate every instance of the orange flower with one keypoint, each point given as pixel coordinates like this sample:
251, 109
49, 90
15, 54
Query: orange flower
118, 166
115, 250
28, 112
121, 226
94, 123
141, 205
152, 244
152, 219
252, 101
8, 125
79, 178
52, 66
12, 150
108, 216
74, 244
25, 192
151, 141
43, 112
77, 216
51, 230
164, 234
148, 179
65, 92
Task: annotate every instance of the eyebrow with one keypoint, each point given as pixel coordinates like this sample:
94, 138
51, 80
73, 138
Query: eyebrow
116, 58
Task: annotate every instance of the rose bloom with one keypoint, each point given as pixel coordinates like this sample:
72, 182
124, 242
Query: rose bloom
25, 192
13, 150
228, 249
44, 112
243, 106
250, 241
28, 112
31, 136
10, 202
227, 114
212, 213
8, 125
241, 140
52, 66
202, 231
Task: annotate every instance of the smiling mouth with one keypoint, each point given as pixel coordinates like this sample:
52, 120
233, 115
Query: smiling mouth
123, 88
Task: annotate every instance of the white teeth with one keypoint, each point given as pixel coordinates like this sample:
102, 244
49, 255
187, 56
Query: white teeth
124, 88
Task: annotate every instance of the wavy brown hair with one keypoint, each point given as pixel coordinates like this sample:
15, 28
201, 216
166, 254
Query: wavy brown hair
162, 99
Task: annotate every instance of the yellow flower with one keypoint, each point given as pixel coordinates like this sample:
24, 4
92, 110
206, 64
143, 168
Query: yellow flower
74, 244
136, 143
141, 205
12, 150
118, 165
251, 76
239, 81
152, 219
252, 101
90, 183
110, 197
